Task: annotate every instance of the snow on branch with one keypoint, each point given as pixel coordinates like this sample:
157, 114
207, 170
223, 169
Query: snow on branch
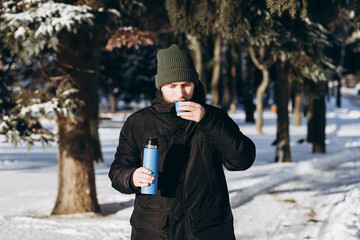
30, 26
24, 125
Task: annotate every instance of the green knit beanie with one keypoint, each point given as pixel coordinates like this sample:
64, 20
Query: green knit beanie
175, 65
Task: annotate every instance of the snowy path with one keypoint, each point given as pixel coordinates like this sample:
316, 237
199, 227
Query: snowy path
281, 175
321, 205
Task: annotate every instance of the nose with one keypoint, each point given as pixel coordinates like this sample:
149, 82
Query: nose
180, 92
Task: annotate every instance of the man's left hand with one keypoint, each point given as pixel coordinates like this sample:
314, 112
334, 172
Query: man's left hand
195, 112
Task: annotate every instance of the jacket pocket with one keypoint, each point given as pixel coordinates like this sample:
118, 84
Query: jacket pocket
143, 219
211, 216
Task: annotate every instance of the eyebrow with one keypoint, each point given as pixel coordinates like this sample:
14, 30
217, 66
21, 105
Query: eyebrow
174, 84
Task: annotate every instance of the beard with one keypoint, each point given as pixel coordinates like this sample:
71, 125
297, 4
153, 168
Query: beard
174, 101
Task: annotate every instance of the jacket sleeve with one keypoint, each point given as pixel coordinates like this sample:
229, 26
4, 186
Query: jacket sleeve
237, 150
127, 160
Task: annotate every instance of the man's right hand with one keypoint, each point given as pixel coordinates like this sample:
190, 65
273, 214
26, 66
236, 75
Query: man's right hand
142, 177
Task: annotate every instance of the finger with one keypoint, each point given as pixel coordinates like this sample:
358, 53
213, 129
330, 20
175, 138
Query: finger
145, 170
187, 106
142, 181
142, 184
146, 179
189, 116
186, 115
142, 174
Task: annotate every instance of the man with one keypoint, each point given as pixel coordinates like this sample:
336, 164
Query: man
192, 201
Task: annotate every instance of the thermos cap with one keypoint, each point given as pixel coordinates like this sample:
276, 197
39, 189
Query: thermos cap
151, 143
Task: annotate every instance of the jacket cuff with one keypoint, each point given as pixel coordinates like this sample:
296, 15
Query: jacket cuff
207, 122
132, 185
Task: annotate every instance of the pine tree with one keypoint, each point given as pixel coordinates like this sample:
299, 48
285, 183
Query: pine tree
73, 35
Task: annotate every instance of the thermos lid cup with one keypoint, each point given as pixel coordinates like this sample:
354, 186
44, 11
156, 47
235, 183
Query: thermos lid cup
177, 104
152, 142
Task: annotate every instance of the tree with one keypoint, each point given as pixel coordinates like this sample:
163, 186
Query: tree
342, 27
316, 119
263, 65
283, 153
298, 101
226, 74
247, 84
75, 33
215, 79
314, 64
79, 56
316, 68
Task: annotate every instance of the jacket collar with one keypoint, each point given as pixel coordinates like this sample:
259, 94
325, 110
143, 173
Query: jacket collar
160, 104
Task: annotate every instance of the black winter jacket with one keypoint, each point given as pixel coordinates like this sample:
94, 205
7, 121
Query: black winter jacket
192, 200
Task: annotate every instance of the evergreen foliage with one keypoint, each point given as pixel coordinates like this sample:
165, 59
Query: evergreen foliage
233, 17
301, 43
27, 98
357, 13
197, 18
311, 61
29, 33
291, 6
30, 26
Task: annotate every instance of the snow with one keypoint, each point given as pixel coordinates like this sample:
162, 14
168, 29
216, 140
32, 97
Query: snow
317, 196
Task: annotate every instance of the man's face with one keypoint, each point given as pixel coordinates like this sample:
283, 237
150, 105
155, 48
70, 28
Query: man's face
178, 91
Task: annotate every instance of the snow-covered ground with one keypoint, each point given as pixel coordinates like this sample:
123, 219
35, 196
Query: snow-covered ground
317, 196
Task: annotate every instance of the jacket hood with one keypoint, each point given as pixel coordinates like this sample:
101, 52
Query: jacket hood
162, 106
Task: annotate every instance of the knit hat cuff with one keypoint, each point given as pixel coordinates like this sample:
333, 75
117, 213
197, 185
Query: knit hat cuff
176, 75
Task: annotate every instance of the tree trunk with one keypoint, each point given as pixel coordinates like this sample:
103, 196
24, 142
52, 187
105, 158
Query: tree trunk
297, 108
95, 138
112, 102
181, 39
226, 74
263, 85
76, 177
233, 90
338, 95
282, 98
247, 87
319, 124
79, 55
259, 96
196, 43
310, 118
216, 71
316, 117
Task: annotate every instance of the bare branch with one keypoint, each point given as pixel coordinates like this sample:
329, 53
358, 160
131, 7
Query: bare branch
255, 60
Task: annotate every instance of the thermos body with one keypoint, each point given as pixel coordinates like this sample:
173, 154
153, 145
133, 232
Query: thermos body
151, 162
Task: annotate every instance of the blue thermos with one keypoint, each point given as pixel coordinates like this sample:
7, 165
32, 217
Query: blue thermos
151, 162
